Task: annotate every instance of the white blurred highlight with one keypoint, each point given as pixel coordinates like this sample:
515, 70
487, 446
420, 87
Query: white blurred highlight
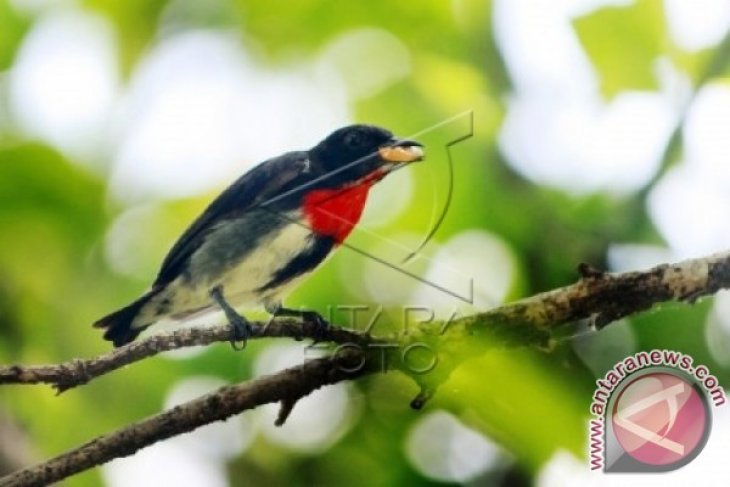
542, 52
686, 206
601, 351
580, 145
64, 84
123, 249
318, 420
200, 113
388, 199
385, 284
717, 329
691, 202
697, 24
558, 130
164, 463
634, 257
474, 264
217, 441
368, 60
198, 457
707, 144
442, 448
690, 211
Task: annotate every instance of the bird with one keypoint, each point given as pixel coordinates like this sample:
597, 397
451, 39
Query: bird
265, 233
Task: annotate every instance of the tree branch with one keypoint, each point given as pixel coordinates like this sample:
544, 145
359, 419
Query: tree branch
294, 383
598, 297
606, 297
76, 372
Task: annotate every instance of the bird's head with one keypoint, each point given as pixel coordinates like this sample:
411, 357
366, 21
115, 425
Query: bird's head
356, 152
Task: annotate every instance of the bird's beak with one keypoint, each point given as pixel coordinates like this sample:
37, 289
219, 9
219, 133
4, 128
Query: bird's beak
401, 151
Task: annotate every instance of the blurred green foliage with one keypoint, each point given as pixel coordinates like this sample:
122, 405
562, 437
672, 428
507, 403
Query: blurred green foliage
13, 26
54, 215
623, 41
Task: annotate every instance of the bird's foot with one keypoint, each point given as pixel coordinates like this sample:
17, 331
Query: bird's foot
241, 331
241, 328
319, 326
313, 325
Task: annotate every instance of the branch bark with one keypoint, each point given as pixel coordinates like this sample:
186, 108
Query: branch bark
606, 297
73, 373
598, 297
294, 382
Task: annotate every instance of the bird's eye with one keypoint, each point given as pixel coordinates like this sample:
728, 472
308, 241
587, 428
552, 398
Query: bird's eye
354, 140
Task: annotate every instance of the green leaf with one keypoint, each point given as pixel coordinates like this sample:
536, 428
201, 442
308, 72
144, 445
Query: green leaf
527, 404
623, 43
12, 29
136, 24
294, 27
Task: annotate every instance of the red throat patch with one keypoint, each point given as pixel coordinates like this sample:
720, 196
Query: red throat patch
335, 212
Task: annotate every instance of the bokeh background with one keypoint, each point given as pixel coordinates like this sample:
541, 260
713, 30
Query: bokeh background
601, 134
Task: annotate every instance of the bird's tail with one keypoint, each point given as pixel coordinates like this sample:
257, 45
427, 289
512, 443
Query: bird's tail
118, 325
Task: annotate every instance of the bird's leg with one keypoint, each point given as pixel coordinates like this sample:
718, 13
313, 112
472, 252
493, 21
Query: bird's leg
241, 327
308, 316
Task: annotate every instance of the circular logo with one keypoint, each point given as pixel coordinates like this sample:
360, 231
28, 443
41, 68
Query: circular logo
660, 419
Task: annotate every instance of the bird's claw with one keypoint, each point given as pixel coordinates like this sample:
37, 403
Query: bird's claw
320, 326
240, 333
313, 324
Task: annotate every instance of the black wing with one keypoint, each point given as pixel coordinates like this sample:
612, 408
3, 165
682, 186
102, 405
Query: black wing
268, 180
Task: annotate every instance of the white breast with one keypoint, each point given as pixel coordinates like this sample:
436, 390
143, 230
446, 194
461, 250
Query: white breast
240, 281
258, 267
